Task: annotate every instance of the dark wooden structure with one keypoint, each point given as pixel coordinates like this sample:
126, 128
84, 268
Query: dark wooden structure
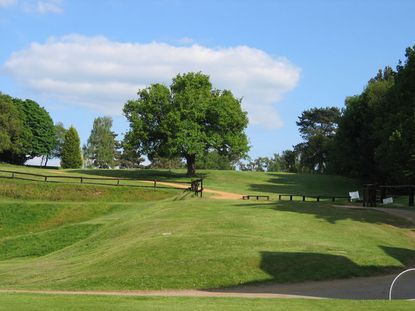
373, 194
196, 186
248, 197
316, 197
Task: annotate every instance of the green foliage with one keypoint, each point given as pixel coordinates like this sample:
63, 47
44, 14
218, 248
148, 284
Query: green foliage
71, 151
317, 127
27, 130
375, 139
214, 161
101, 148
186, 120
166, 163
11, 126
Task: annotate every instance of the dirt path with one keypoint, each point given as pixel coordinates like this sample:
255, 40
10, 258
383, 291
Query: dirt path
356, 288
216, 193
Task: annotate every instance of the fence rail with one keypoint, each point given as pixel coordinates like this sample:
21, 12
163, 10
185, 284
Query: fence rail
94, 180
316, 197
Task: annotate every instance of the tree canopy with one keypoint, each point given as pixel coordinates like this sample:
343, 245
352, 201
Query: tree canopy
187, 119
375, 140
27, 130
101, 148
71, 150
317, 127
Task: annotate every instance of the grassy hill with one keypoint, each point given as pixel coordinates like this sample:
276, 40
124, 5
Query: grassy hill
67, 236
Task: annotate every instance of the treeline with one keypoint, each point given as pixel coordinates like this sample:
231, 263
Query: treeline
375, 139
372, 137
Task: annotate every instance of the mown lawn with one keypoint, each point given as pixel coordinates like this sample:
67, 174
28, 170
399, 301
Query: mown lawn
192, 243
23, 302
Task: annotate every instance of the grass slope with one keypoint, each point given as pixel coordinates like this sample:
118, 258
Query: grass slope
196, 243
66, 236
22, 302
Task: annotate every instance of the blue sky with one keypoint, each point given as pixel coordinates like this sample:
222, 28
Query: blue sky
83, 59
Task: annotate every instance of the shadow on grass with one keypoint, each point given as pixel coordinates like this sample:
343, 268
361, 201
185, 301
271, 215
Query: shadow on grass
332, 214
284, 267
306, 184
144, 174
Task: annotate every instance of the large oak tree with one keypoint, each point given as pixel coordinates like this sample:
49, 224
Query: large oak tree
186, 120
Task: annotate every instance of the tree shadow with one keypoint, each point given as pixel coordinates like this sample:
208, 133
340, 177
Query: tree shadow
144, 174
284, 268
306, 184
332, 214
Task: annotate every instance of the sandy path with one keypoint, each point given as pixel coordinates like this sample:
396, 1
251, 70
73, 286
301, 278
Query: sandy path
216, 193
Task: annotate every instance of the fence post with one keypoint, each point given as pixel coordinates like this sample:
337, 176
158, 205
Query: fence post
318, 199
303, 198
291, 197
46, 178
411, 196
118, 181
333, 199
82, 180
155, 183
201, 187
12, 175
279, 197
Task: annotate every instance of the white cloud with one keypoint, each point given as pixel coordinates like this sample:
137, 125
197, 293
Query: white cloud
54, 6
31, 6
100, 74
7, 3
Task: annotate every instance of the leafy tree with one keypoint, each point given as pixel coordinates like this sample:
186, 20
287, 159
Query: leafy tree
35, 135
288, 161
71, 150
187, 120
317, 127
166, 163
101, 148
11, 126
214, 161
60, 132
129, 157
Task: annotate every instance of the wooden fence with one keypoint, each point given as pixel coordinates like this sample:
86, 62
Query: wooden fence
317, 198
107, 181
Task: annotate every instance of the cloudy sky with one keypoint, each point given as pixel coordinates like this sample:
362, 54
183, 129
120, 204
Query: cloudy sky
83, 59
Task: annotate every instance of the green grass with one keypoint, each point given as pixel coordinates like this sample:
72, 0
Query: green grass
41, 191
72, 236
231, 181
20, 302
195, 244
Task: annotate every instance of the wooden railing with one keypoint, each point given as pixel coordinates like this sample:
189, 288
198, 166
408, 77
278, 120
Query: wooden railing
317, 198
110, 181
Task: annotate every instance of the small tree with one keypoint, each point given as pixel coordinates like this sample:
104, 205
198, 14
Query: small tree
71, 150
101, 146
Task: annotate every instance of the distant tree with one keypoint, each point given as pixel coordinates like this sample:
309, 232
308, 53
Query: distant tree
212, 160
317, 127
129, 157
101, 148
166, 163
288, 161
71, 150
187, 120
60, 132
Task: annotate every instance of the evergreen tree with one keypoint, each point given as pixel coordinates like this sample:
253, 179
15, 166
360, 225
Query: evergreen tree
71, 150
101, 148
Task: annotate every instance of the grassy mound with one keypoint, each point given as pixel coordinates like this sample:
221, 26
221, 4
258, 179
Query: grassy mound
196, 244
